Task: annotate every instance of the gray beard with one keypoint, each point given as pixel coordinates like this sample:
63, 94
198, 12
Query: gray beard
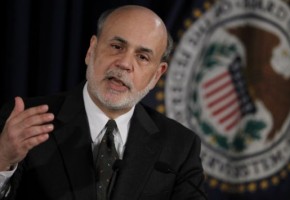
126, 102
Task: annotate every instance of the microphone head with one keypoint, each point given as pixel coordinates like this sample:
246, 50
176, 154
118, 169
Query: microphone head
118, 164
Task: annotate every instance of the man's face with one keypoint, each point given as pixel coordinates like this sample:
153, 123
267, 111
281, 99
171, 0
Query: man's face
124, 62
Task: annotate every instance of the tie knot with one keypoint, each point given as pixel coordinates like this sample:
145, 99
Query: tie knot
111, 125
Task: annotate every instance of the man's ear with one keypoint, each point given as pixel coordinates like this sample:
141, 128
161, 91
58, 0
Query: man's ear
91, 49
162, 68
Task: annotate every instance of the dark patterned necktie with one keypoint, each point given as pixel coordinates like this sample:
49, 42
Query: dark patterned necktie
107, 155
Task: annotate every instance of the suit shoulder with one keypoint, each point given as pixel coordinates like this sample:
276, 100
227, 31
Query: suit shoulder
167, 124
50, 100
54, 99
54, 102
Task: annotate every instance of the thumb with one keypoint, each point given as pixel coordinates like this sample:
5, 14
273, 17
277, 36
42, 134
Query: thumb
18, 107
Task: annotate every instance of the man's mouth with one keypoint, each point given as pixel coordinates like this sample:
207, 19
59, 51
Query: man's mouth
118, 84
117, 81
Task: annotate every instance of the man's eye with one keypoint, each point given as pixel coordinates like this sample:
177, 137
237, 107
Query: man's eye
115, 46
143, 58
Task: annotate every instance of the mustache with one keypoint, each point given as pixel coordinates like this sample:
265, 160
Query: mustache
120, 75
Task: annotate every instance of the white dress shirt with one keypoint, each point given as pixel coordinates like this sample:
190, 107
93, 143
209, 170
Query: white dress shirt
97, 121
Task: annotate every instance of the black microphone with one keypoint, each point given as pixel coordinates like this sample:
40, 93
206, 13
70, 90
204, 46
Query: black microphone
165, 168
118, 164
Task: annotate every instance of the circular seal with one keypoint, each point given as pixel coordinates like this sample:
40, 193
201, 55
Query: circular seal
229, 81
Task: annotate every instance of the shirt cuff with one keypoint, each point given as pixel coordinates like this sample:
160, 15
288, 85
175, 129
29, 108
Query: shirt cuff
5, 175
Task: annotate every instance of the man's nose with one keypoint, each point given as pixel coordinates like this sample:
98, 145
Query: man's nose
125, 61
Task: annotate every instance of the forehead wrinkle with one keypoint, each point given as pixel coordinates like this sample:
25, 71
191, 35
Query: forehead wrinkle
120, 39
144, 49
139, 48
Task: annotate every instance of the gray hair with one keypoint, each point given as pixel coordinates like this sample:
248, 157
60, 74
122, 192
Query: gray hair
169, 45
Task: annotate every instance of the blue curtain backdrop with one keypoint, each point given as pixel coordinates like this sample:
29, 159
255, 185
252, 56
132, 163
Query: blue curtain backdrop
228, 80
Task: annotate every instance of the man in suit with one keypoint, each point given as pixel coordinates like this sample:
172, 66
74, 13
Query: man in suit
47, 144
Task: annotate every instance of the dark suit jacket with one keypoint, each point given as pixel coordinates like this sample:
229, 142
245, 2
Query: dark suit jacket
62, 168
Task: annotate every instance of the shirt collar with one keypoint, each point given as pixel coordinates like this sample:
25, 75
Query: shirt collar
97, 119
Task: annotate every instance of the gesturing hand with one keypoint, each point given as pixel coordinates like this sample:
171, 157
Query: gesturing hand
23, 130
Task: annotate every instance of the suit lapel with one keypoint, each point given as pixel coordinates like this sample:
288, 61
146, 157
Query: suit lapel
73, 138
142, 151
